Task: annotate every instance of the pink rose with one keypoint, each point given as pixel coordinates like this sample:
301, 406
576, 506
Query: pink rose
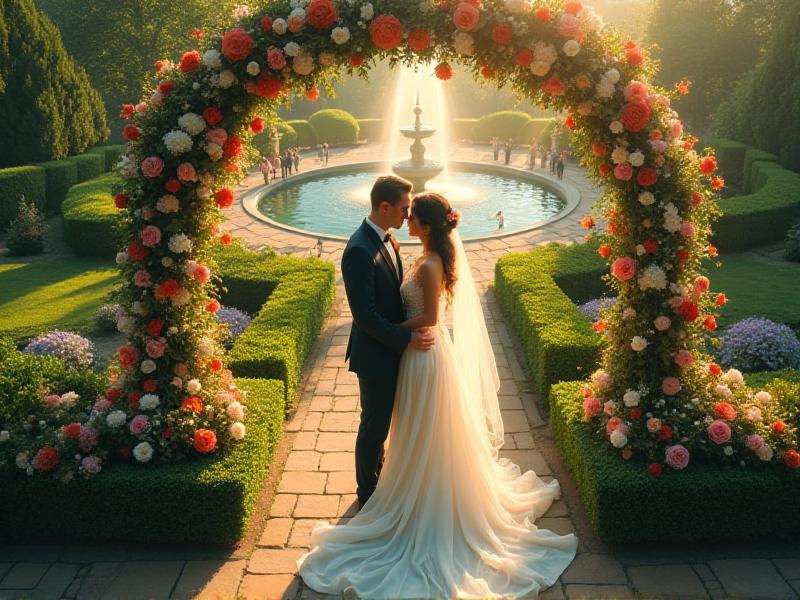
141, 108
156, 348
662, 323
186, 172
217, 136
52, 401
138, 424
653, 424
684, 358
87, 437
636, 91
677, 456
102, 404
201, 273
275, 59
687, 229
141, 279
701, 284
624, 268
90, 464
754, 442
569, 26
151, 236
613, 424
152, 166
466, 16
719, 432
591, 407
671, 386
675, 129
623, 171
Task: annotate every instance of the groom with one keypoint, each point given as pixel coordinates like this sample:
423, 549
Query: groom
372, 273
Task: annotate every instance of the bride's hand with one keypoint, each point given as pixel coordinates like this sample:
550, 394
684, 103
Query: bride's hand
422, 339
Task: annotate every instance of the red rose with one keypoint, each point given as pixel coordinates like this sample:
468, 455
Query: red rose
501, 33
212, 115
487, 72
137, 252
158, 65
714, 369
792, 459
778, 427
721, 299
636, 413
265, 86
604, 169
524, 58
710, 323
634, 56
192, 404
150, 385
356, 60
635, 116
190, 61
708, 165
113, 394
120, 201
215, 365
226, 239
166, 87
46, 459
72, 430
236, 44
257, 125
224, 198
266, 24
569, 122
725, 410
419, 40
650, 246
683, 255
665, 433
172, 185
154, 327
232, 147
130, 133
127, 355
167, 432
212, 306
654, 470
697, 198
688, 310
168, 288
443, 71
711, 249
321, 14
646, 177
599, 150
127, 111
133, 399
205, 441
604, 250
386, 32
543, 14
554, 86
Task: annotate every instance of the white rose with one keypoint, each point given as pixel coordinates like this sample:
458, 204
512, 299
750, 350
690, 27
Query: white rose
236, 430
763, 396
226, 79
143, 452
191, 123
571, 48
618, 439
616, 127
193, 386
540, 68
733, 376
631, 398
728, 450
148, 366
591, 20
545, 52
619, 155
181, 297
765, 453
636, 158
212, 59
280, 26
653, 277
116, 418
723, 390
179, 243
638, 343
516, 7
121, 258
167, 262
605, 89
69, 398
463, 43
292, 49
178, 142
303, 65
253, 68
298, 12
339, 35
367, 12
206, 347
4, 436
148, 402
647, 198
640, 251
612, 75
236, 411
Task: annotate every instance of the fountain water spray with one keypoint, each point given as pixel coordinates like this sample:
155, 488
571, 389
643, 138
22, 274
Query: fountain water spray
418, 170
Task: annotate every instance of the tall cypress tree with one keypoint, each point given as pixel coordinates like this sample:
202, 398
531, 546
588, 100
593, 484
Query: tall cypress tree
48, 108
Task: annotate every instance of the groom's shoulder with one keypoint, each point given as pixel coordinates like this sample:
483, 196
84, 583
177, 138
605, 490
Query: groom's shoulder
358, 238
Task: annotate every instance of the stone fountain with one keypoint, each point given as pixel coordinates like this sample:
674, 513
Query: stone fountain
418, 170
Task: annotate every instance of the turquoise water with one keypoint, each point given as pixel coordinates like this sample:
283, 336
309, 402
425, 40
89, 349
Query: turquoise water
337, 204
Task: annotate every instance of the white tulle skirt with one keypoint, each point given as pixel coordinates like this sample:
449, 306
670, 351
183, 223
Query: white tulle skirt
447, 519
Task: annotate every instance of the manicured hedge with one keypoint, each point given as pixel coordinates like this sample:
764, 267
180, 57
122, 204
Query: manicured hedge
533, 130
306, 134
277, 341
505, 124
203, 501
89, 166
110, 155
370, 129
730, 158
754, 155
463, 129
558, 340
15, 181
60, 175
705, 503
335, 126
89, 217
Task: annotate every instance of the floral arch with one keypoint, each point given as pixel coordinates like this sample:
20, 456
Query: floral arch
658, 396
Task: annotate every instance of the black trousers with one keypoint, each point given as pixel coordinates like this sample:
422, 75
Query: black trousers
377, 402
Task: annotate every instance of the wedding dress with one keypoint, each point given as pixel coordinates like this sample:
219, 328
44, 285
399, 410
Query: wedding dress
448, 518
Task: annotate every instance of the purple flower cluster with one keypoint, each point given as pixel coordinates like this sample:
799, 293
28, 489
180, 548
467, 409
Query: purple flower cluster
107, 317
236, 320
592, 308
75, 350
757, 344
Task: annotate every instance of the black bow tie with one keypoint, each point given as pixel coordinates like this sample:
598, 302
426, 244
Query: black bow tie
387, 237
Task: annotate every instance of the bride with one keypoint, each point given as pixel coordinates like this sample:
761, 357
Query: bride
448, 518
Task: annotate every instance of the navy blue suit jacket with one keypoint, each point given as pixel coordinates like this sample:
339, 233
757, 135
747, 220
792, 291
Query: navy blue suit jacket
373, 291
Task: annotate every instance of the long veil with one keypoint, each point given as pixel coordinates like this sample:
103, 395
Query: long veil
473, 350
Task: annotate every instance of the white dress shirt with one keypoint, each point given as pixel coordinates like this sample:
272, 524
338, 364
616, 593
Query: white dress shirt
388, 244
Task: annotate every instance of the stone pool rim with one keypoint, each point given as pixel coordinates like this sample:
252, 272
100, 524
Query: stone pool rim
252, 197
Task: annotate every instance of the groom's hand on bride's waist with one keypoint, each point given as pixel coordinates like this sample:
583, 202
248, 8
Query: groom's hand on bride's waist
422, 339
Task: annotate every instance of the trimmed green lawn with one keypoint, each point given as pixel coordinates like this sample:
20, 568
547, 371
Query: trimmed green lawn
40, 296
758, 287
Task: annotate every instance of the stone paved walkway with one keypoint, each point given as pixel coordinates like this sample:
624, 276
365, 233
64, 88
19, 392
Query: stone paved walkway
314, 479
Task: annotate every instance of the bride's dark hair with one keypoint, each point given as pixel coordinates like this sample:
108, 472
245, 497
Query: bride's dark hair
434, 210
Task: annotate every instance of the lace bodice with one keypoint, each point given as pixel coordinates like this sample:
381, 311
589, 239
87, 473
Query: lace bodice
414, 297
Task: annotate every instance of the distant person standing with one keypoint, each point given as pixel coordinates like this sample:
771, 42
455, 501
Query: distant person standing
507, 151
284, 166
296, 160
543, 163
532, 155
560, 165
274, 163
553, 160
496, 147
319, 153
266, 170
325, 152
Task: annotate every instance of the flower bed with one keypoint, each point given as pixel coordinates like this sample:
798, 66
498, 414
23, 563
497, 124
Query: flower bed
202, 501
708, 503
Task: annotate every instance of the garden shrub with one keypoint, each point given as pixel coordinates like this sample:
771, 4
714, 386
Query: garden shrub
20, 181
306, 134
90, 166
106, 317
60, 175
463, 129
757, 344
625, 505
110, 155
73, 350
504, 124
754, 155
730, 157
793, 243
90, 216
335, 126
533, 130
370, 129
26, 231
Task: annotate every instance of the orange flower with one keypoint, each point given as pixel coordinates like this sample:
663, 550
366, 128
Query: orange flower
599, 149
717, 183
554, 86
543, 14
190, 61
73, 430
635, 116
778, 427
312, 94
634, 57
721, 299
419, 40
224, 197
712, 250
443, 71
708, 165
587, 222
714, 369
697, 198
236, 44
487, 72
573, 7
212, 306
569, 122
710, 323
321, 14
192, 404
386, 32
725, 410
501, 33
582, 82
215, 365
226, 239
600, 326
524, 57
205, 441
604, 250
683, 86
